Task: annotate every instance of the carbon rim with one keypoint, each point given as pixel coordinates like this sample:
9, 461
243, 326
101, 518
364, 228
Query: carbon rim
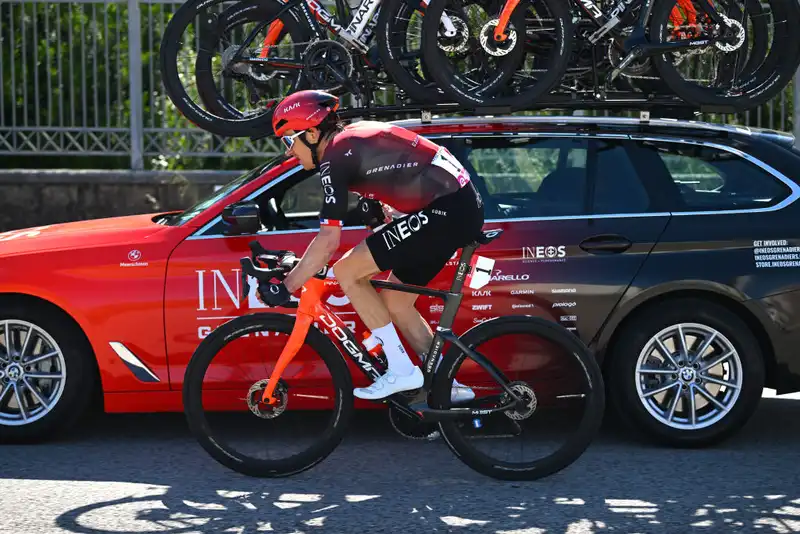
689, 376
32, 373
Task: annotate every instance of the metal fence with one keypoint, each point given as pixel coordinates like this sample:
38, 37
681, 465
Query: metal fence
82, 78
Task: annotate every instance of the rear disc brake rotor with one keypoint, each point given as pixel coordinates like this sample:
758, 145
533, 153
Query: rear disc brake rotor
525, 392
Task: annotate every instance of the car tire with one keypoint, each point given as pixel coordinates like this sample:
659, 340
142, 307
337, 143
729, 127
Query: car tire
637, 349
74, 361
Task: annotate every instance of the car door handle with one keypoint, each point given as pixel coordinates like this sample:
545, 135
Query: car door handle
606, 244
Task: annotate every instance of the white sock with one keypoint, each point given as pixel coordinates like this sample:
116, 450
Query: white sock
399, 362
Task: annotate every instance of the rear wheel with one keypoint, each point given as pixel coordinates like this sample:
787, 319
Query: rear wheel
556, 375
224, 381
238, 98
686, 373
744, 72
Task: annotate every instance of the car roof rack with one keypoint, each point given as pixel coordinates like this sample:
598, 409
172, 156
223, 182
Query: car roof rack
660, 107
650, 108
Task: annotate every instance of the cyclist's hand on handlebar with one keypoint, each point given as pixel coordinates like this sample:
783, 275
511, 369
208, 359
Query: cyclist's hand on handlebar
373, 212
273, 294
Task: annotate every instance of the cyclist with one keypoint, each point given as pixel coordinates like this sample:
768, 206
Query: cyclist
441, 212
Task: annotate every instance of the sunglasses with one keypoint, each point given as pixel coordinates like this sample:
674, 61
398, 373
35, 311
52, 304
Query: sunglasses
288, 140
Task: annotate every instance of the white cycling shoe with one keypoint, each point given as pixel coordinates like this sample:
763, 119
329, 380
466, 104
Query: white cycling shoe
460, 393
389, 383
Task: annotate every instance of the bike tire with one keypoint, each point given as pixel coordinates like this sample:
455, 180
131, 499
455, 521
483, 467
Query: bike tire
578, 442
389, 50
500, 92
199, 425
450, 82
760, 83
221, 119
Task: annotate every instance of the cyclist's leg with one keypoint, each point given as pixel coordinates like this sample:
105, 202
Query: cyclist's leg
417, 331
353, 272
407, 318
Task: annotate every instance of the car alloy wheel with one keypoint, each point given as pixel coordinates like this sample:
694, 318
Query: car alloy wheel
689, 376
32, 373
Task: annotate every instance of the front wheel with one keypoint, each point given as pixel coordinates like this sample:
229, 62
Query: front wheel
551, 370
226, 376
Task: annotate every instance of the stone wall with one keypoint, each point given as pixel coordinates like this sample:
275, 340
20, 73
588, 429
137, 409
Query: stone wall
34, 198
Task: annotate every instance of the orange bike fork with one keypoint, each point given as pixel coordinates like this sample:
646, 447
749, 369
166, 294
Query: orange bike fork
313, 292
500, 30
296, 340
273, 33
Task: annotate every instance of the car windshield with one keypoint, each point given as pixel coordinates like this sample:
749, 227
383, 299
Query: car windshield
222, 192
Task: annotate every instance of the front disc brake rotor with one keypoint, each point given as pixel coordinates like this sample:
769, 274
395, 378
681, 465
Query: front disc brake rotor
262, 409
497, 48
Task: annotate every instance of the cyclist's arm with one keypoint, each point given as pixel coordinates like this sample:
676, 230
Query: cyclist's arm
331, 219
317, 254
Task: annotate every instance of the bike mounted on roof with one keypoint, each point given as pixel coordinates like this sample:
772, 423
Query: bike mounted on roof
465, 55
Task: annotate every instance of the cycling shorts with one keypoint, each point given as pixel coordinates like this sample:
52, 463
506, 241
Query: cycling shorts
417, 246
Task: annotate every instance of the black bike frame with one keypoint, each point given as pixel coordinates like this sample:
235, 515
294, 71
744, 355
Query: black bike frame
319, 19
418, 406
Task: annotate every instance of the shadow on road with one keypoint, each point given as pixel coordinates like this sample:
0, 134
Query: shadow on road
378, 482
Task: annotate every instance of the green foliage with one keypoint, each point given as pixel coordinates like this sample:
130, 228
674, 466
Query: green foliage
64, 69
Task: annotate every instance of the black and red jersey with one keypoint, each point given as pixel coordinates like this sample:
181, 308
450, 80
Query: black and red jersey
387, 163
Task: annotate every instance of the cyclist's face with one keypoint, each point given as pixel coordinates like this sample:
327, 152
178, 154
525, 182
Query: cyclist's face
300, 150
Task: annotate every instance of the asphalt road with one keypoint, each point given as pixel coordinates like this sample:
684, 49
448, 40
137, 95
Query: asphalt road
145, 474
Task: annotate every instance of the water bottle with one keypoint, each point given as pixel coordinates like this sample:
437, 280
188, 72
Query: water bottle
374, 348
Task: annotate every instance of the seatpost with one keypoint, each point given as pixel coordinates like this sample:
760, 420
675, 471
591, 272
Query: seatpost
463, 267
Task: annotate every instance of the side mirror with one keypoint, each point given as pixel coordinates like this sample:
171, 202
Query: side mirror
241, 218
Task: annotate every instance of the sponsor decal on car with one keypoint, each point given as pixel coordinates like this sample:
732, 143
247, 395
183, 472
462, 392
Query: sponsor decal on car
134, 257
498, 276
563, 290
481, 307
544, 253
216, 293
31, 232
775, 253
526, 291
528, 305
564, 304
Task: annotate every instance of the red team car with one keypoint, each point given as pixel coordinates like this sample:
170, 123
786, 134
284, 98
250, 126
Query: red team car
651, 241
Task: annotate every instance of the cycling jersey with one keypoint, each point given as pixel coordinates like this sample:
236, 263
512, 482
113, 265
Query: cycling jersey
386, 162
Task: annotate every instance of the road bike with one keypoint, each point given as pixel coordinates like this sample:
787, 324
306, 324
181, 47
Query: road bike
523, 48
297, 380
293, 44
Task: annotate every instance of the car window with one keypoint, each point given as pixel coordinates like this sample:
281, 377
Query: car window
618, 188
713, 179
305, 197
527, 177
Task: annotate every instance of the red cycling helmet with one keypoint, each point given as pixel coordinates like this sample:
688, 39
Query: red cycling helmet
303, 110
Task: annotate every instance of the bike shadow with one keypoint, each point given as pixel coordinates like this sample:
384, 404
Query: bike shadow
378, 482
